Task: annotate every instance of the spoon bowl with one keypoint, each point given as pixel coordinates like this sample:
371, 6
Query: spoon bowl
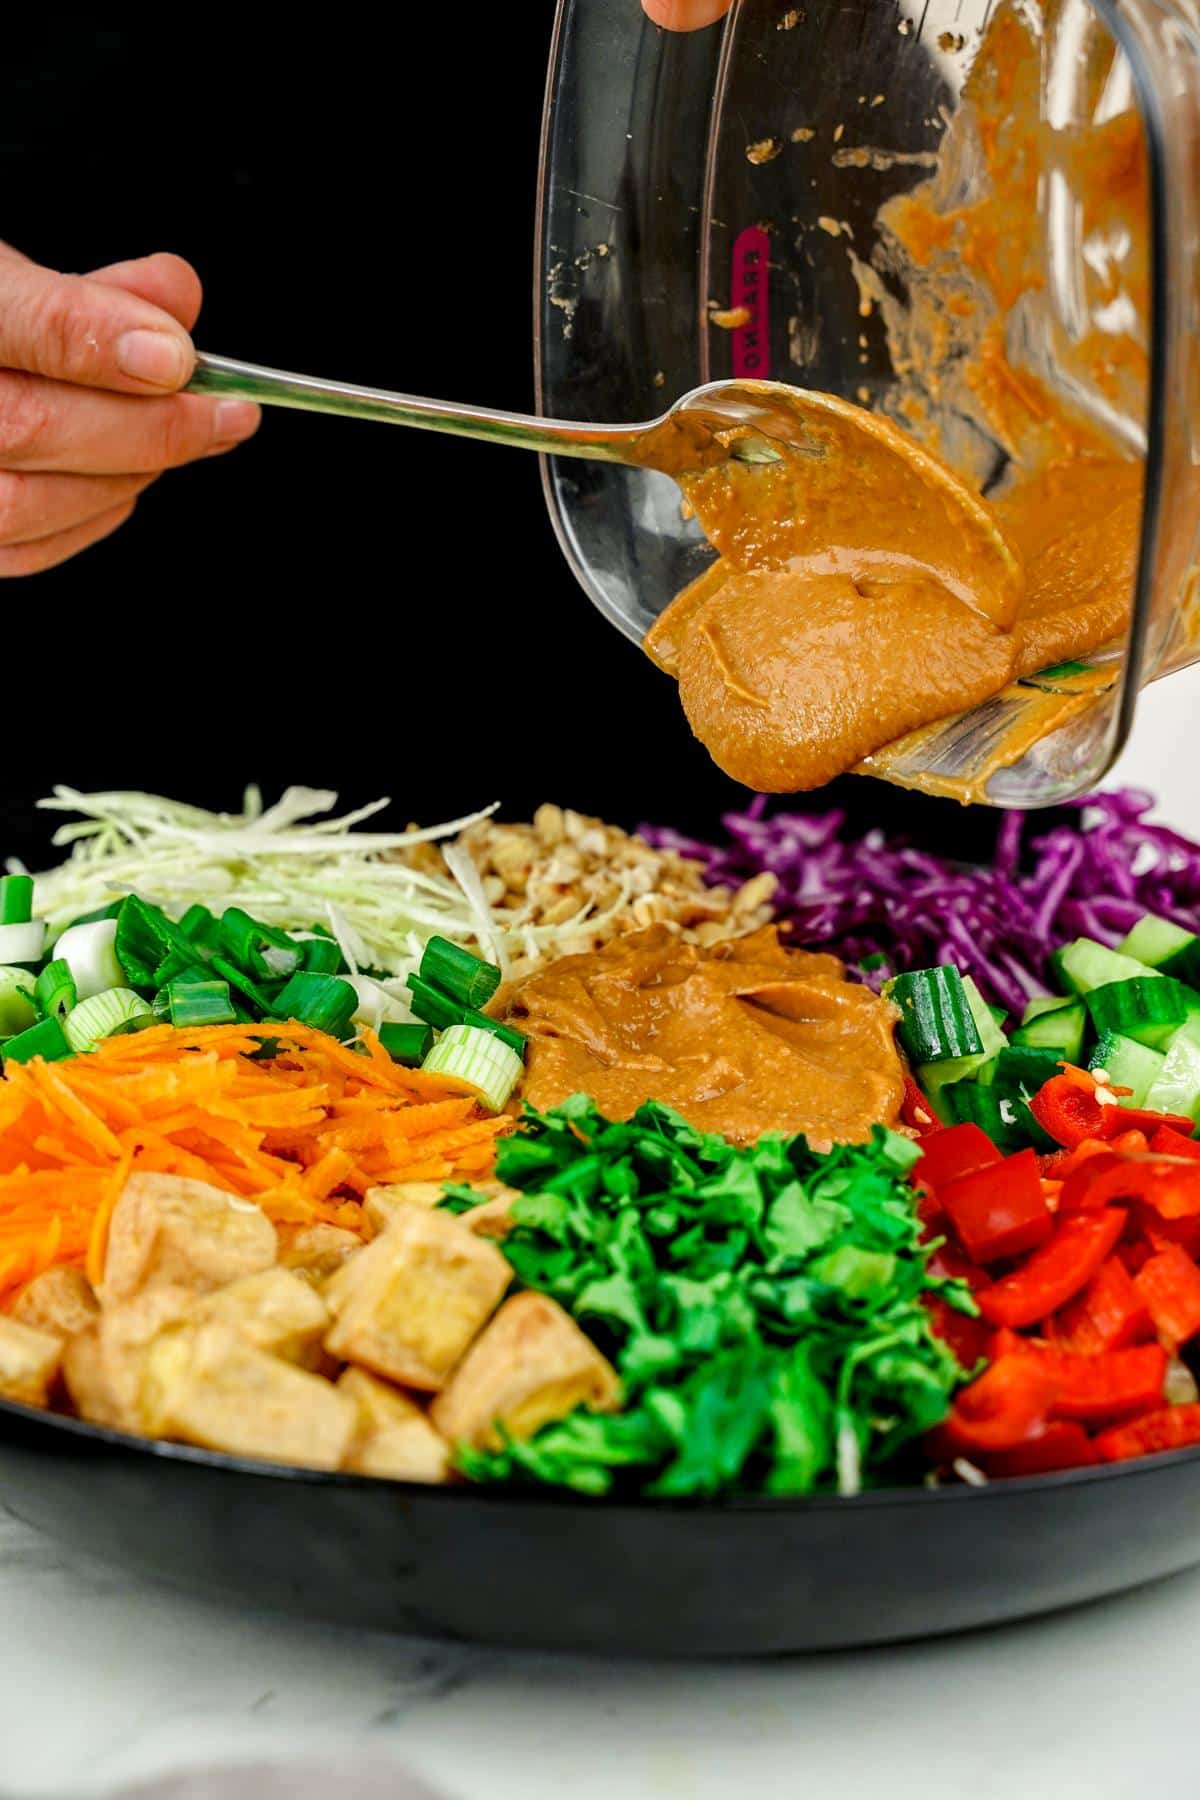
741, 421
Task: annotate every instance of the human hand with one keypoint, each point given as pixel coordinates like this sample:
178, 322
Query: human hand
89, 409
685, 15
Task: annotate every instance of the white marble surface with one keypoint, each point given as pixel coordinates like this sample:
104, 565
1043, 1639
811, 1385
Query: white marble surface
105, 1679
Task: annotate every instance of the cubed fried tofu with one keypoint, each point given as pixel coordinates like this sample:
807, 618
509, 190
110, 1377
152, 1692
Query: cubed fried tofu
59, 1301
381, 1204
494, 1218
102, 1366
419, 1295
167, 1230
315, 1250
206, 1385
394, 1436
337, 1288
29, 1362
274, 1310
530, 1365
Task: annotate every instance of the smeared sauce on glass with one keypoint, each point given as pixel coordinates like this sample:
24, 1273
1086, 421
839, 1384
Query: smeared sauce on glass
845, 609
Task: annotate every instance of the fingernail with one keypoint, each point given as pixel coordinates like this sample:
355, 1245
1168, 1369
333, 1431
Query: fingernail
154, 356
235, 419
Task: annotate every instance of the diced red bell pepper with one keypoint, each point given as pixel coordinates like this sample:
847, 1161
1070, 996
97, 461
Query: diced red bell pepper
1134, 1118
1136, 1254
1160, 1233
916, 1111
1172, 1188
1097, 1389
1128, 1143
1060, 1163
959, 1150
1167, 1141
1080, 1188
1061, 1444
949, 1260
1174, 1428
967, 1336
1005, 1407
929, 1211
1055, 1272
1170, 1285
1067, 1107
1110, 1314
999, 1211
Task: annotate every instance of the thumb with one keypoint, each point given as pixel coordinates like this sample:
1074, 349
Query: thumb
165, 280
78, 329
685, 15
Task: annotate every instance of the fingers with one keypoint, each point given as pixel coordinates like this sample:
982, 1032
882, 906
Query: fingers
164, 280
40, 506
685, 15
45, 553
47, 425
95, 334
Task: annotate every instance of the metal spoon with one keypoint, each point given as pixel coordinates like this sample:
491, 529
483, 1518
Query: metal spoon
743, 420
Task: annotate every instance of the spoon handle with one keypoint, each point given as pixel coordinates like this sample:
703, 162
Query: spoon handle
275, 387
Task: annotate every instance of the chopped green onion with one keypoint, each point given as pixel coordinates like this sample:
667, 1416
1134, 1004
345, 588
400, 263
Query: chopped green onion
45, 1039
199, 1003
408, 1044
460, 974
241, 983
91, 952
100, 912
508, 1034
23, 943
17, 1009
105, 1015
181, 962
200, 928
16, 899
430, 1004
323, 1001
321, 955
478, 1058
144, 941
55, 991
261, 950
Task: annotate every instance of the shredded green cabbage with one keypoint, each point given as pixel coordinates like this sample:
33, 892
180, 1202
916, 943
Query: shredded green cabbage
290, 867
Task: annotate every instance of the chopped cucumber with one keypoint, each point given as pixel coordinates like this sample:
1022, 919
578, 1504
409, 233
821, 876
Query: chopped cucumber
1024, 1068
936, 1020
1127, 1064
1046, 1003
1061, 1029
1161, 945
1005, 1118
936, 1077
1176, 1088
1148, 1008
1086, 964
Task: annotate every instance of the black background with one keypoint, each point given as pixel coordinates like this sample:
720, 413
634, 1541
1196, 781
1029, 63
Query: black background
335, 603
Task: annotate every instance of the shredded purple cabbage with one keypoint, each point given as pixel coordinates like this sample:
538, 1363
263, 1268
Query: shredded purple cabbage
884, 903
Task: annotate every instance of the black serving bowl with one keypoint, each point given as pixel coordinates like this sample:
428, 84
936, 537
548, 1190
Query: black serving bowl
543, 1570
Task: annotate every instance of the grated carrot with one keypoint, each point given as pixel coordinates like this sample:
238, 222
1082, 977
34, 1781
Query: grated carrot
304, 1133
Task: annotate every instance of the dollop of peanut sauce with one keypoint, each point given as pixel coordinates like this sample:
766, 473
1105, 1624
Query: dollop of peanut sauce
742, 1037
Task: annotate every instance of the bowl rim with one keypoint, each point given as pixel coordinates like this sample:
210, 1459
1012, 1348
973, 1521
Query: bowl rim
467, 1493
